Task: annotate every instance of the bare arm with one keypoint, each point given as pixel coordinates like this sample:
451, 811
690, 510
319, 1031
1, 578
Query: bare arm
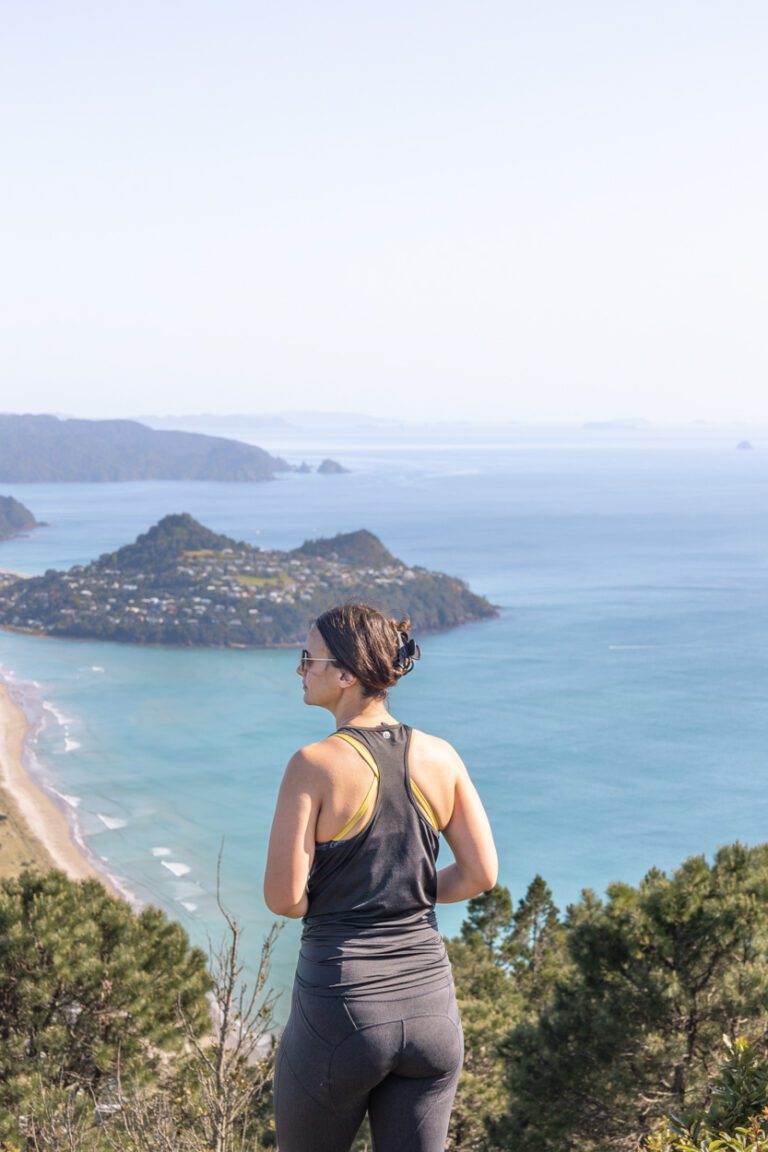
469, 835
292, 839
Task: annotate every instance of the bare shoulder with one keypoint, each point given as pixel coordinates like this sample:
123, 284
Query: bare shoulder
308, 763
437, 752
321, 761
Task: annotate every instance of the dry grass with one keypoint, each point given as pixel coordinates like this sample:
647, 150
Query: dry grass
19, 849
280, 581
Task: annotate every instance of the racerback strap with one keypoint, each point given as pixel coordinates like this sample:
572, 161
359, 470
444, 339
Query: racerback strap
366, 755
421, 799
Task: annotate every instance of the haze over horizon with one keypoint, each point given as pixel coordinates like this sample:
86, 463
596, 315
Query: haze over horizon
231, 424
495, 212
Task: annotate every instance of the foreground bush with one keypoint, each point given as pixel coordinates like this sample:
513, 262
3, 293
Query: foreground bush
85, 981
631, 1034
737, 1117
583, 1033
210, 1092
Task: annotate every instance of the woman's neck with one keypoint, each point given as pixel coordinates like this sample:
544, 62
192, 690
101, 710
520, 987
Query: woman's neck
367, 718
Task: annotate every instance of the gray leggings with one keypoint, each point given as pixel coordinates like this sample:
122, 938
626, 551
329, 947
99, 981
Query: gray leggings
340, 1057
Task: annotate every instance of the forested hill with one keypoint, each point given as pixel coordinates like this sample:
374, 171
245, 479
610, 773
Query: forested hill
44, 449
182, 584
361, 548
14, 518
174, 537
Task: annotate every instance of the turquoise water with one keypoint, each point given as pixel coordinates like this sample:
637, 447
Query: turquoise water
613, 717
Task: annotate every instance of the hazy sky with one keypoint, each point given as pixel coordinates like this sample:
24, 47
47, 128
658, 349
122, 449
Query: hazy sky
511, 210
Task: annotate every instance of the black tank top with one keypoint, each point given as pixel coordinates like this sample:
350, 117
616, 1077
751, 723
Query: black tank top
370, 928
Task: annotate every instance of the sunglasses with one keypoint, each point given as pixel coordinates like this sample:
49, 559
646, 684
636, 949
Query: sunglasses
306, 660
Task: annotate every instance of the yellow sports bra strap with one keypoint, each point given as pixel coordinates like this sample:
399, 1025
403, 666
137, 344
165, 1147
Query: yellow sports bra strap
425, 804
361, 748
356, 744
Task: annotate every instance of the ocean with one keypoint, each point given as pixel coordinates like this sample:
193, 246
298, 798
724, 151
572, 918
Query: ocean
613, 717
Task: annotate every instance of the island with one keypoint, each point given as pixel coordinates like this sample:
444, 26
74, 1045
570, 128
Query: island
44, 449
182, 584
15, 518
330, 468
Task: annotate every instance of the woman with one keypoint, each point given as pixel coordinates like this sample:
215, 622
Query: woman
374, 1025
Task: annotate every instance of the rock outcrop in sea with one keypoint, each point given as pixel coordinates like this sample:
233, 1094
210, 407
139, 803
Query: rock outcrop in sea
15, 518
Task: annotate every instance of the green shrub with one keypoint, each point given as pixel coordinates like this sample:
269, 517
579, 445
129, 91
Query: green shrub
84, 982
737, 1117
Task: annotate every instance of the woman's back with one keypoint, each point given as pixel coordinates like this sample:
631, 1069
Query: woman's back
344, 782
370, 926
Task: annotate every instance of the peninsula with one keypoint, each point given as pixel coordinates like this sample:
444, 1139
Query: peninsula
182, 584
45, 449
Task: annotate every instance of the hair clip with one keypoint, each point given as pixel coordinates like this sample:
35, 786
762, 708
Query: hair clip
410, 648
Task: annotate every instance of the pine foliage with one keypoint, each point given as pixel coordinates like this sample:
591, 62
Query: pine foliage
84, 983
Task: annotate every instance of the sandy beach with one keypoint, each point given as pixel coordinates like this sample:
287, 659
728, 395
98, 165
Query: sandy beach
34, 831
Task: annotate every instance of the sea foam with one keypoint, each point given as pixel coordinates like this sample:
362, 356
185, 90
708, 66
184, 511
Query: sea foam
111, 821
177, 868
73, 801
60, 716
161, 851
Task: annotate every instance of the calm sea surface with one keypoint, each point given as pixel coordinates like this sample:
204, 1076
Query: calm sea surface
613, 718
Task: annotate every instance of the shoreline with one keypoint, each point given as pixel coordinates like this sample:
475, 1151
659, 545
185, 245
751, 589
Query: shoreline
282, 645
35, 831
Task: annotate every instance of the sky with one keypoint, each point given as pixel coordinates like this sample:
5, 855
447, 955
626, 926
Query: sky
517, 211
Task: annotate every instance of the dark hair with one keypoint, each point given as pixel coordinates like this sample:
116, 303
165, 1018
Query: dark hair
375, 649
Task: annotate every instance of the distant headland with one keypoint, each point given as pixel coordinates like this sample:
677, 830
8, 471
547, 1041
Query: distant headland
182, 584
46, 449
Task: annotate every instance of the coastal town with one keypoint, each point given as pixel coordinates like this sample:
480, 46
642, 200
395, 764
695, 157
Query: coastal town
182, 584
